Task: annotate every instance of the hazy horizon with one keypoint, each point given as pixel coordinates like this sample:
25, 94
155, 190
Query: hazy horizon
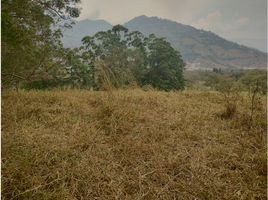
240, 21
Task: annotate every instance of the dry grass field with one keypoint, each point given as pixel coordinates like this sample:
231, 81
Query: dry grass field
130, 144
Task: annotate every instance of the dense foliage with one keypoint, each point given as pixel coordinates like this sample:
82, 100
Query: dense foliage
125, 57
31, 33
32, 49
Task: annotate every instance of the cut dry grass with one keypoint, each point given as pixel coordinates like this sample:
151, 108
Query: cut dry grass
130, 145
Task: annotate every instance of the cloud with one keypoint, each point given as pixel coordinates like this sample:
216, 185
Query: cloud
120, 11
211, 20
216, 22
242, 21
94, 15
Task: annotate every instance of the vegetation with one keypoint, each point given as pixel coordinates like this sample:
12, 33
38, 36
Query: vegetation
245, 80
130, 144
131, 57
104, 130
232, 84
39, 61
27, 38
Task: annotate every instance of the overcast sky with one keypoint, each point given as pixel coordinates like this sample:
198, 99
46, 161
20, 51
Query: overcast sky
242, 21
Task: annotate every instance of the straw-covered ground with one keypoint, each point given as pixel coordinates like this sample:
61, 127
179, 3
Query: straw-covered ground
130, 144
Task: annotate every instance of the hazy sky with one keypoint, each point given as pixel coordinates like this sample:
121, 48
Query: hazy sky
243, 21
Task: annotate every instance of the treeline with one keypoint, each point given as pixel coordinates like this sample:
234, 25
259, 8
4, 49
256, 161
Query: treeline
34, 58
225, 79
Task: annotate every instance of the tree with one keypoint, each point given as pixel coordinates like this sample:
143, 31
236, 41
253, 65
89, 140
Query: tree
28, 37
165, 69
114, 55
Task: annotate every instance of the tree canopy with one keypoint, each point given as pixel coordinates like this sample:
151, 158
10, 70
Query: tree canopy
30, 37
130, 56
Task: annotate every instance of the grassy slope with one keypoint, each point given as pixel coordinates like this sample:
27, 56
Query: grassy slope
129, 145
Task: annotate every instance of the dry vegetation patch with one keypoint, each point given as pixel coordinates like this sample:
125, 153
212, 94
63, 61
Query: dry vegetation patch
130, 144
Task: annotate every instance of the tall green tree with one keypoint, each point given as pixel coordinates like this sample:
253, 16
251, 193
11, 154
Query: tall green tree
30, 44
113, 54
165, 65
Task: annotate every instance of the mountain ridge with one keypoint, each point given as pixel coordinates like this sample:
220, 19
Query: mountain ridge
193, 28
199, 48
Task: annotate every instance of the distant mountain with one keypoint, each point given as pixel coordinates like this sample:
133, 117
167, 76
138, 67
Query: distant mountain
199, 48
72, 37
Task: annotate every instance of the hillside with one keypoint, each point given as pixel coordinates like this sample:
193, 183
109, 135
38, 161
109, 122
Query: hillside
199, 48
130, 145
